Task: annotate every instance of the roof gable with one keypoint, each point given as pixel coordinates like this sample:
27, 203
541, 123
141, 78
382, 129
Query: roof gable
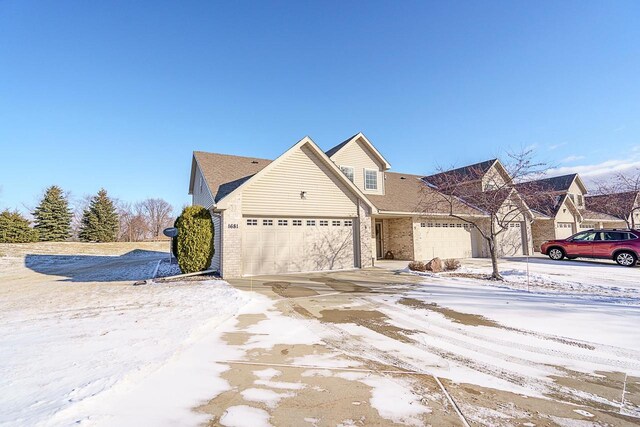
306, 141
359, 137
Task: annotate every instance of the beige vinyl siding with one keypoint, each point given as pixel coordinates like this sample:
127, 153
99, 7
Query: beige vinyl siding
576, 191
201, 195
357, 156
493, 179
278, 191
217, 238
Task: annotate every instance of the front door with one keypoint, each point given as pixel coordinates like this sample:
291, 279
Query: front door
378, 240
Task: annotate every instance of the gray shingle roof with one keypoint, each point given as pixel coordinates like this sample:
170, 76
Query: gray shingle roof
408, 193
463, 174
224, 173
554, 183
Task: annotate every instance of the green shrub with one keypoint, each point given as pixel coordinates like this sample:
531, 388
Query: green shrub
14, 228
194, 243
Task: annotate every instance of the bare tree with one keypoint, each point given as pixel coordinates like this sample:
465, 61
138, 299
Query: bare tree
486, 197
134, 226
617, 195
158, 214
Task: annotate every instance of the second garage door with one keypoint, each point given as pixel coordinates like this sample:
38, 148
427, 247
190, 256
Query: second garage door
512, 239
446, 239
287, 245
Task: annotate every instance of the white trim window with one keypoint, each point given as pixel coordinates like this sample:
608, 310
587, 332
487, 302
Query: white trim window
348, 223
370, 179
348, 172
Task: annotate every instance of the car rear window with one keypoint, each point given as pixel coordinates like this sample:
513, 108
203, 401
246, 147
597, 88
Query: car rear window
615, 235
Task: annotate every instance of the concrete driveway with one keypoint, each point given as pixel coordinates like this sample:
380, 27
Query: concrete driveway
371, 325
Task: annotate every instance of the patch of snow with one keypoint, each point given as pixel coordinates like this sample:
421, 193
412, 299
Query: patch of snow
282, 385
268, 397
111, 361
395, 400
245, 416
267, 374
583, 413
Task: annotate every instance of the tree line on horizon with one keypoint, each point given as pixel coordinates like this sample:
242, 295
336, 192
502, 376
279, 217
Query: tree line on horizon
98, 218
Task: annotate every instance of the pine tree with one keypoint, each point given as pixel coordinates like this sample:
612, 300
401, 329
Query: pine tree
100, 220
14, 228
53, 216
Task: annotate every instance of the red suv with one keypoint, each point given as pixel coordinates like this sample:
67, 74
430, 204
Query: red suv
622, 246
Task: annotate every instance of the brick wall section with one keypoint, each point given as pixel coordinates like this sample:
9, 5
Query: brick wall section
400, 238
542, 230
366, 242
232, 238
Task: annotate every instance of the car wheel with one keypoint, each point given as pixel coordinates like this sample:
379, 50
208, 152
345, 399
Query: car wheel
626, 259
556, 254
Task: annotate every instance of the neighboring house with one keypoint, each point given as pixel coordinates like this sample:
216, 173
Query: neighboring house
624, 205
560, 209
309, 210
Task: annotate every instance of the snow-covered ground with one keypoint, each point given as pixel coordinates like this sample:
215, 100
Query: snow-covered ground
81, 345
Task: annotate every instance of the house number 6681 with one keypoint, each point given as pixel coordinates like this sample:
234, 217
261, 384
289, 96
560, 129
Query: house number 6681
232, 225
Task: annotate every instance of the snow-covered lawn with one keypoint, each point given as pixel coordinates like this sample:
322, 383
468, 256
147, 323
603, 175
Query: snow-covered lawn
81, 345
114, 359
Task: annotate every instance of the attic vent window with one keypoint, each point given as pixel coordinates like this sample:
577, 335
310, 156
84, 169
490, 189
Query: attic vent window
255, 162
402, 177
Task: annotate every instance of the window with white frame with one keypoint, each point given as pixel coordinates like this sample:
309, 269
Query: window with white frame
324, 223
335, 223
370, 179
580, 200
347, 171
423, 224
267, 222
296, 222
252, 222
348, 223
311, 222
283, 222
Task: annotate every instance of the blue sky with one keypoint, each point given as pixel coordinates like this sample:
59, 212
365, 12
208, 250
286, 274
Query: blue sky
118, 94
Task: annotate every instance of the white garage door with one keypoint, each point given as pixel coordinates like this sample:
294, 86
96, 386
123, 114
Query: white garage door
288, 245
511, 240
445, 239
564, 230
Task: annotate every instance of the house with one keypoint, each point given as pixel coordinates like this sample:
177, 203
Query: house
560, 208
624, 205
310, 210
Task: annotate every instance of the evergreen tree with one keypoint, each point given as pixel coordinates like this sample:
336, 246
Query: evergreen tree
100, 220
53, 216
14, 228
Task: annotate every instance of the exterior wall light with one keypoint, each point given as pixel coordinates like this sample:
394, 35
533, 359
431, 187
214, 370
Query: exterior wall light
303, 194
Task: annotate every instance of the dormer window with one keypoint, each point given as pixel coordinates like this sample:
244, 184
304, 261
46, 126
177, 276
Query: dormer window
370, 179
348, 172
580, 200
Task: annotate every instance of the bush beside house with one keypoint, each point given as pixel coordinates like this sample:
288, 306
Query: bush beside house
194, 244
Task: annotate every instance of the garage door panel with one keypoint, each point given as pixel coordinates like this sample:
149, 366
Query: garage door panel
271, 247
452, 241
511, 240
